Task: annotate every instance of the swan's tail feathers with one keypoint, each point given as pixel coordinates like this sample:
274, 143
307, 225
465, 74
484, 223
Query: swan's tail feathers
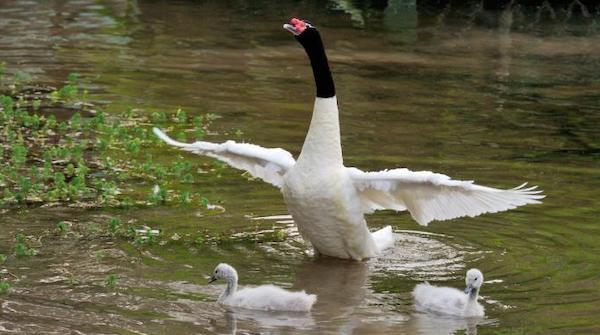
384, 238
167, 139
298, 301
419, 289
310, 301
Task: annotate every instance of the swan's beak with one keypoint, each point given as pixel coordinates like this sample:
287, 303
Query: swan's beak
469, 289
290, 28
212, 279
296, 26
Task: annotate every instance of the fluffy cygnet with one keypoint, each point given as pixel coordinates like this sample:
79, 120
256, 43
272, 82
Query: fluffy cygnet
448, 300
264, 297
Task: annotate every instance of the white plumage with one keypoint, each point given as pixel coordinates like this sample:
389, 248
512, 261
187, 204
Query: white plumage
450, 301
432, 196
265, 297
328, 201
384, 238
267, 164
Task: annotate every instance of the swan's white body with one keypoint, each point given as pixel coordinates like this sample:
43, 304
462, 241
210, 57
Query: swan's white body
445, 300
450, 301
328, 201
320, 195
264, 297
270, 298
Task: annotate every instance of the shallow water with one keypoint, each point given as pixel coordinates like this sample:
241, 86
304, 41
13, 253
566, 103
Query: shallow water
494, 97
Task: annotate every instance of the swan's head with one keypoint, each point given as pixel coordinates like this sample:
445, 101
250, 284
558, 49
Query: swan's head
474, 280
308, 36
297, 26
224, 271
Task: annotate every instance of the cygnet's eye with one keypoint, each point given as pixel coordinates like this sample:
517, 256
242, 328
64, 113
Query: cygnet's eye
216, 271
475, 279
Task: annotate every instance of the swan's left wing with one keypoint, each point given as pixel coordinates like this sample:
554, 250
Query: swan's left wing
267, 164
432, 196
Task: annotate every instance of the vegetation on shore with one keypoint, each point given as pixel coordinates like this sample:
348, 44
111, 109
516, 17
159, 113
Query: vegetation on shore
59, 149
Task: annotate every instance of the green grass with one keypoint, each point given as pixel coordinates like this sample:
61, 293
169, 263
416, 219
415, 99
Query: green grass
110, 281
4, 287
22, 247
90, 159
62, 227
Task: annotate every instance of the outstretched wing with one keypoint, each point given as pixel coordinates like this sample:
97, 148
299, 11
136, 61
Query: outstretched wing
432, 196
267, 164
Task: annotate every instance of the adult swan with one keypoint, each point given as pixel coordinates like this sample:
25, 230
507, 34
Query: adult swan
328, 200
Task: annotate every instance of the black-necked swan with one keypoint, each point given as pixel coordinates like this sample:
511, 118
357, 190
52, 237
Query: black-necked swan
450, 301
264, 297
328, 200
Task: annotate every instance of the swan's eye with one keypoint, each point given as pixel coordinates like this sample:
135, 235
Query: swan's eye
216, 271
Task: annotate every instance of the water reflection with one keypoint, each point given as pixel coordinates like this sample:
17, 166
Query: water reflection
281, 321
339, 285
432, 324
421, 256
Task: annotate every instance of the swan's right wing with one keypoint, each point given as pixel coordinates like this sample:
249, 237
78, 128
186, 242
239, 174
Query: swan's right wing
267, 164
432, 196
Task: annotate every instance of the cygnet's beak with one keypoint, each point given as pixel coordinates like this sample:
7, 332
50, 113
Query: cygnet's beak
469, 289
212, 279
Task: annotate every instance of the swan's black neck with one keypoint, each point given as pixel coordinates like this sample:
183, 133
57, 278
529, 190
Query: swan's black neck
312, 43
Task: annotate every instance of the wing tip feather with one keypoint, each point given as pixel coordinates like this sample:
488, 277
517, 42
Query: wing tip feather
160, 134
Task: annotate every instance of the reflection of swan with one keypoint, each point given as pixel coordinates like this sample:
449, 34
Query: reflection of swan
429, 324
268, 319
340, 285
234, 320
346, 304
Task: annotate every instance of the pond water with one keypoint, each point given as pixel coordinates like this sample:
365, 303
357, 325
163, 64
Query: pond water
496, 97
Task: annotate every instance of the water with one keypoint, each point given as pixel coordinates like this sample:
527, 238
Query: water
495, 97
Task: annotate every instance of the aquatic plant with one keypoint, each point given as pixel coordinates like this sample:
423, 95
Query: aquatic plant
145, 235
68, 91
110, 280
114, 225
200, 241
21, 247
99, 255
280, 234
62, 227
157, 195
4, 287
89, 159
185, 197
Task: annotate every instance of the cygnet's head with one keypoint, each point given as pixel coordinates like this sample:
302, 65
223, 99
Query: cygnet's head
224, 271
474, 280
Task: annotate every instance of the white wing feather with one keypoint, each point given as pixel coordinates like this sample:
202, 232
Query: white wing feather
432, 196
267, 164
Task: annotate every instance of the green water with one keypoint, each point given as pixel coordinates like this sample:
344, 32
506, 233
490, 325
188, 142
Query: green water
443, 92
